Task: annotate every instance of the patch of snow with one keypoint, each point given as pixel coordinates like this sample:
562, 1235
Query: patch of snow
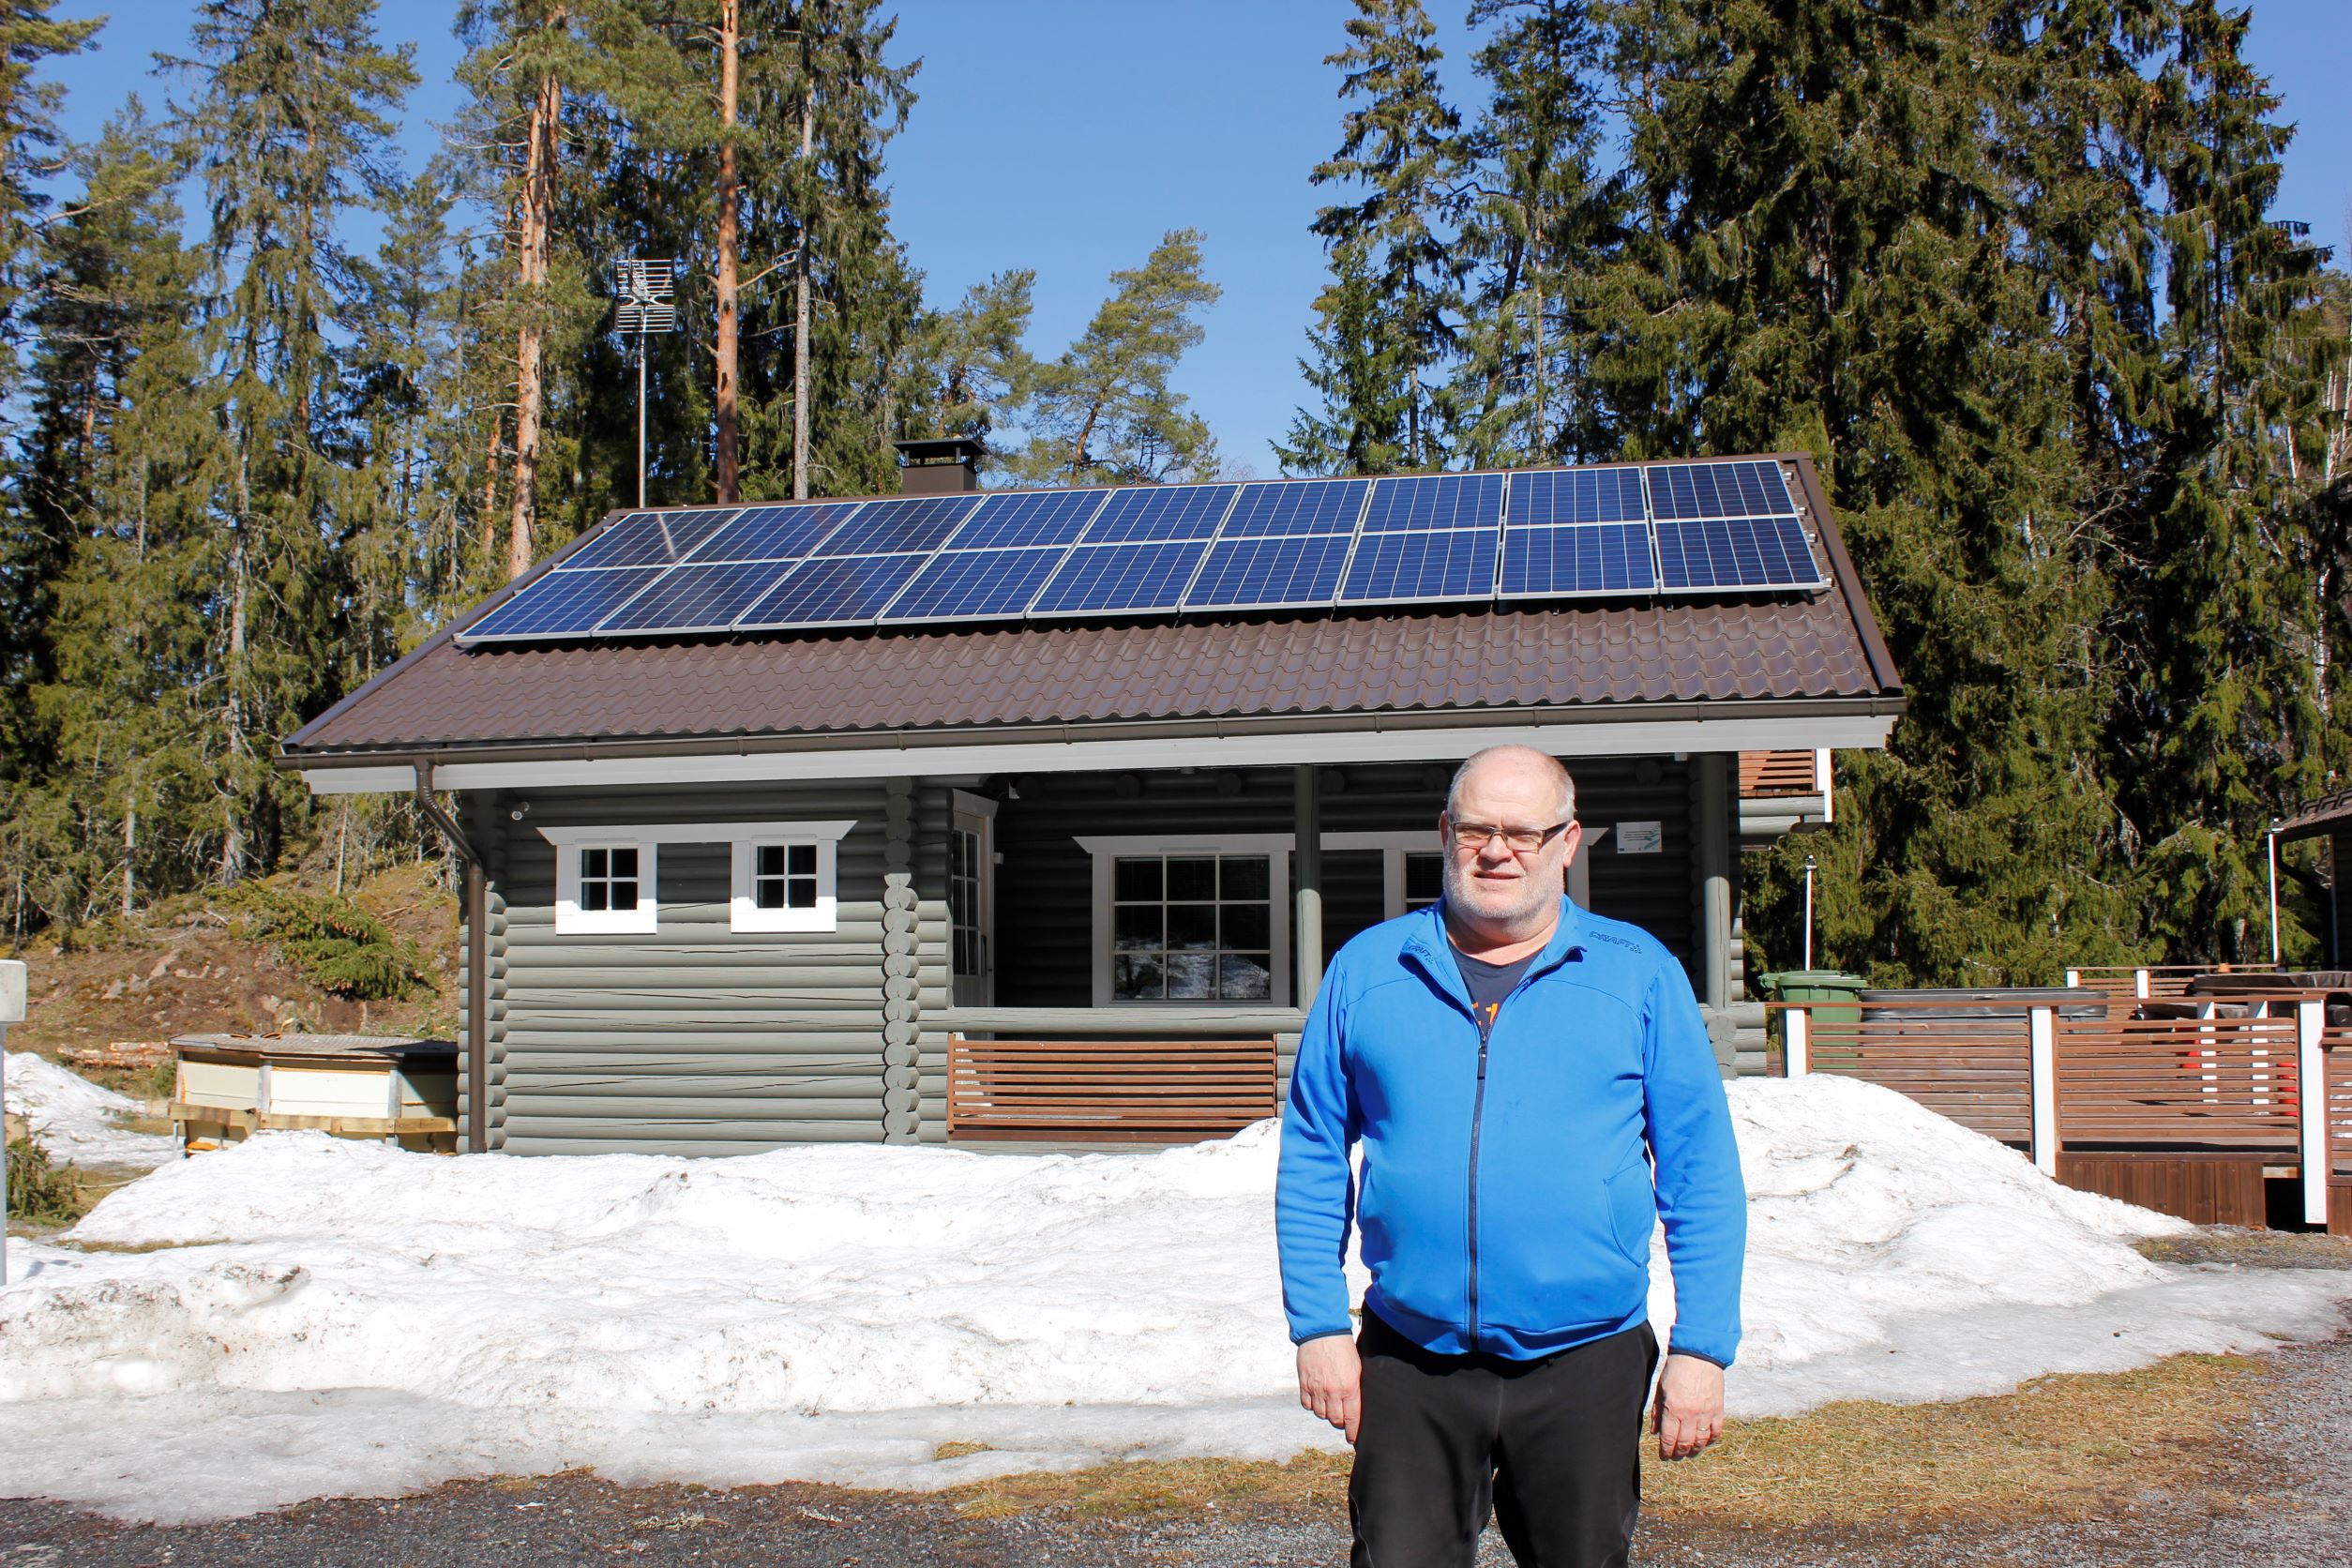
77, 1122
322, 1317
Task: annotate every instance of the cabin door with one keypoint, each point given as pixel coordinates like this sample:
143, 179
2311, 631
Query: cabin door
971, 901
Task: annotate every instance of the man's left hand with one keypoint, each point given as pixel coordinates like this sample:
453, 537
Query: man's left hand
1689, 1410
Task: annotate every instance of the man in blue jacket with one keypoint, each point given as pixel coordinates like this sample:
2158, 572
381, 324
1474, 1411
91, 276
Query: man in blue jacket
1532, 1088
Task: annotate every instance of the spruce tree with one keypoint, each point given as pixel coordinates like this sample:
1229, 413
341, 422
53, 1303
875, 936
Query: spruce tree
1400, 154
290, 127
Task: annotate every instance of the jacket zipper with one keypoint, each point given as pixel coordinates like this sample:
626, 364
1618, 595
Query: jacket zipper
1478, 1118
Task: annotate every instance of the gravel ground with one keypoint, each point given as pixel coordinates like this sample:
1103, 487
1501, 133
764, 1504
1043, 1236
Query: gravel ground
2279, 1492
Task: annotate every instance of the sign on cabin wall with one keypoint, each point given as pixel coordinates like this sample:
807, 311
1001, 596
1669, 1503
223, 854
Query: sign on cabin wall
1637, 837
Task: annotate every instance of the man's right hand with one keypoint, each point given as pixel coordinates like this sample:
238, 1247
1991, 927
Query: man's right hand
1331, 1381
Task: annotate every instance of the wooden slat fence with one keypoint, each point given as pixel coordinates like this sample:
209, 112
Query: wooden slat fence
2215, 1083
2123, 986
1108, 1090
2339, 1040
1975, 1070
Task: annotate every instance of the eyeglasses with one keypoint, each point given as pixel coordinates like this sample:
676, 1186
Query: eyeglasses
1518, 840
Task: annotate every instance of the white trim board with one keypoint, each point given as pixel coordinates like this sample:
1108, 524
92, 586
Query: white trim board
1416, 744
701, 833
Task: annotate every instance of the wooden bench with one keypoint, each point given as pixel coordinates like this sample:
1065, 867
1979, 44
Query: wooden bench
1108, 1090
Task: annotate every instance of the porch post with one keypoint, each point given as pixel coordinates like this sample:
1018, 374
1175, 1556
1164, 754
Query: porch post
2311, 1018
1714, 877
2042, 1073
1308, 855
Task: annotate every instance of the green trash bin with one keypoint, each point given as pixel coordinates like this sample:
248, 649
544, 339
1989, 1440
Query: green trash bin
1813, 984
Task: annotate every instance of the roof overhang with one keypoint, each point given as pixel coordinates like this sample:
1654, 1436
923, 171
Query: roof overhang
1647, 730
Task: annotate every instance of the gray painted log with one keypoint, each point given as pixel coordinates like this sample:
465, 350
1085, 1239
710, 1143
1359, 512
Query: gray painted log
902, 985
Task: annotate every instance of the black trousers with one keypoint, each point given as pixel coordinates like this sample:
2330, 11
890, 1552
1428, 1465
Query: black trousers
1551, 1448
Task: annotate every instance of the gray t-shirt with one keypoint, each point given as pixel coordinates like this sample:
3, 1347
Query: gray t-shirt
1489, 984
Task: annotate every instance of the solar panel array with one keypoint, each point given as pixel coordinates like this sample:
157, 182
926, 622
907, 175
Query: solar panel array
1552, 534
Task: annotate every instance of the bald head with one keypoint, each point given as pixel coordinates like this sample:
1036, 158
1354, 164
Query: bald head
1518, 764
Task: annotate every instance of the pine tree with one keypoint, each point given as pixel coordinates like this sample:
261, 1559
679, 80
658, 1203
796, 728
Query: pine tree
1402, 149
1359, 368
1104, 413
971, 373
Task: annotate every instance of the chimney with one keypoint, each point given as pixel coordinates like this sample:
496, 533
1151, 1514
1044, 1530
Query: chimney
940, 465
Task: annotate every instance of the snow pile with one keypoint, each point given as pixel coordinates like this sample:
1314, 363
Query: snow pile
77, 1122
328, 1317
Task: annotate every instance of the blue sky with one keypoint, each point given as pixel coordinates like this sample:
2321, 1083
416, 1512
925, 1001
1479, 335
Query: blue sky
1067, 135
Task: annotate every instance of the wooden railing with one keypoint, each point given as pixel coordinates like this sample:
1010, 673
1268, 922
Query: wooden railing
2205, 1082
2200, 1087
1975, 1070
2132, 983
1108, 1090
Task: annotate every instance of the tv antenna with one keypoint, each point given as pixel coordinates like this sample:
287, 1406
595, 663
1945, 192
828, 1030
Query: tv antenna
644, 293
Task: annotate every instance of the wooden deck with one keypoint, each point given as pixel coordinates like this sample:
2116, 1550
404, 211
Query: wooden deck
1108, 1090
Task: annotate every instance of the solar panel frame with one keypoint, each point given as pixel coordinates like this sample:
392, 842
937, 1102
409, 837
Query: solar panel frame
1127, 567
1162, 513
1599, 546
708, 596
1714, 554
1435, 503
1296, 508
648, 538
976, 584
1318, 558
873, 581
1024, 518
902, 525
1466, 555
560, 605
1558, 497
780, 532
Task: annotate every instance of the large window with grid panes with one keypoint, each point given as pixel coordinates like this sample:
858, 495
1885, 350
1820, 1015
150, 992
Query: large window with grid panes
1203, 921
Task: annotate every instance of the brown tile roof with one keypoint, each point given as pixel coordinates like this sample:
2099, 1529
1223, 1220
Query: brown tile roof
2323, 814
1821, 646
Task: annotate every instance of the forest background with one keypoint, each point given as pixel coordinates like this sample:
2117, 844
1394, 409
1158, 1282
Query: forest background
2008, 268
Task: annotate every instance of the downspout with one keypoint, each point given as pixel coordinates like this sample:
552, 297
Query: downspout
475, 907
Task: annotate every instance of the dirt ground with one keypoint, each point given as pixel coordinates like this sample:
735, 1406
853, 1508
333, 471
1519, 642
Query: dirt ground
182, 968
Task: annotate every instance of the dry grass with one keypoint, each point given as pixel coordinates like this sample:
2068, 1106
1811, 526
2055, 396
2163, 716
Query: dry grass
2252, 1249
2063, 1446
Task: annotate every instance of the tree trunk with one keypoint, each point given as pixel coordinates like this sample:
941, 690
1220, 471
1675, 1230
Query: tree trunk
730, 51
536, 212
130, 847
233, 709
800, 304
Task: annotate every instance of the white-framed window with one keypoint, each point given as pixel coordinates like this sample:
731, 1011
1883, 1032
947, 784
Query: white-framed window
1201, 920
607, 886
783, 879
781, 875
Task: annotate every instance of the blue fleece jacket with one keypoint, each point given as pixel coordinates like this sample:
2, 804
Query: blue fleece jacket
1507, 1193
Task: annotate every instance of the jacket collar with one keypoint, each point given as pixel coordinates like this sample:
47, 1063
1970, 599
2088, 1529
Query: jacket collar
1432, 950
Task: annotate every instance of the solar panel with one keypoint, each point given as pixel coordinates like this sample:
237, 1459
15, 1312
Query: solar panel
1719, 490
1576, 495
562, 604
1591, 558
1420, 501
1270, 573
775, 533
1735, 552
975, 584
825, 591
1096, 579
695, 598
1299, 507
897, 527
647, 539
1439, 563
1161, 512
1034, 517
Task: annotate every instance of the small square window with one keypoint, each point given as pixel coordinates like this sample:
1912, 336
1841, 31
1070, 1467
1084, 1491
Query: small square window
783, 886
605, 888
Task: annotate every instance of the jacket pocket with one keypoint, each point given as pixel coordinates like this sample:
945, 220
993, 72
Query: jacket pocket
1633, 1200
